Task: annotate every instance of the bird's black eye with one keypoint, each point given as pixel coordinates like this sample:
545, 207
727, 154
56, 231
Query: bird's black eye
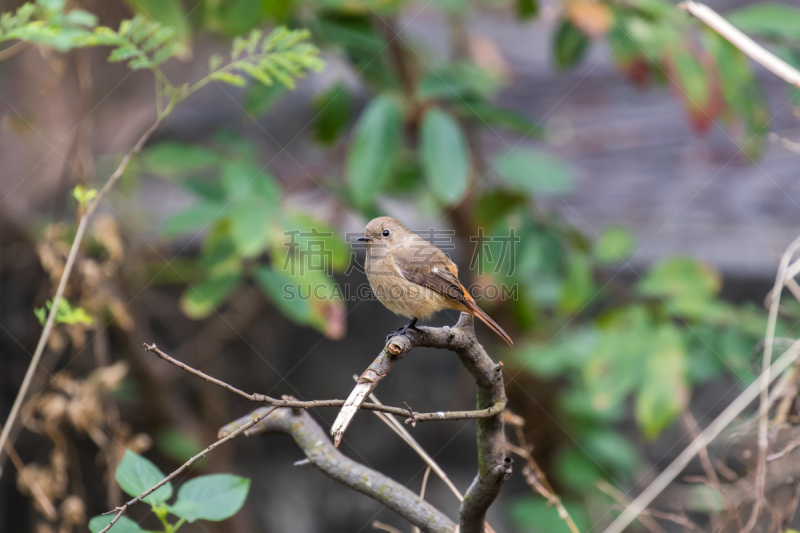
386, 233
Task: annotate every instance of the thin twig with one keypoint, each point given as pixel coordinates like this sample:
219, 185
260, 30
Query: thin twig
789, 447
121, 510
415, 529
789, 144
534, 476
62, 284
36, 490
645, 518
694, 432
680, 519
708, 467
400, 429
744, 43
298, 404
763, 411
386, 527
708, 435
14, 49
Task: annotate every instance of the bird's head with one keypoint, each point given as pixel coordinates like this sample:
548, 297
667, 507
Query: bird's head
385, 232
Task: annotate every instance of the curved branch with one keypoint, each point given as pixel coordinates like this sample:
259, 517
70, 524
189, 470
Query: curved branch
311, 438
494, 467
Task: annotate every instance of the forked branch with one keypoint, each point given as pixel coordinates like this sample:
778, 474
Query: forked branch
494, 466
317, 446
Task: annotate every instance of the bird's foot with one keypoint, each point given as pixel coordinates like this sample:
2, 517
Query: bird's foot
404, 331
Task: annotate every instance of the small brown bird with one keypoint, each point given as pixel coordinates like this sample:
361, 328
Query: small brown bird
413, 278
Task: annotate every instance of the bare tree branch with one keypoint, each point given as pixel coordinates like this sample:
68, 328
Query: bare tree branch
494, 466
311, 438
299, 404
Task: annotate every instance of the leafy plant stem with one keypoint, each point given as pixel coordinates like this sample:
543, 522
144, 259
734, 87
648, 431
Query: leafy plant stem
227, 68
121, 510
73, 252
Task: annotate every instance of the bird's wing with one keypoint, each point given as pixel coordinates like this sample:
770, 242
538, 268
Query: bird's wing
425, 264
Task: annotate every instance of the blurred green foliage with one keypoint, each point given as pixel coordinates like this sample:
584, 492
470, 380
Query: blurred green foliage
65, 314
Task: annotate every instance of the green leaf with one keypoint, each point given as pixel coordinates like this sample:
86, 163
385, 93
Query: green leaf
201, 300
229, 78
79, 17
485, 114
196, 217
570, 45
664, 392
66, 314
250, 226
316, 236
135, 475
169, 14
282, 292
260, 99
374, 148
743, 93
693, 79
178, 445
611, 449
173, 158
531, 513
84, 196
767, 18
123, 525
614, 245
579, 287
214, 497
616, 366
527, 9
567, 352
333, 109
494, 204
577, 470
534, 172
458, 81
680, 277
444, 156
238, 179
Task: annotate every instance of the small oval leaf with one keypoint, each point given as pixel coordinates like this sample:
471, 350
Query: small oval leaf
374, 148
214, 497
123, 525
534, 172
135, 475
444, 155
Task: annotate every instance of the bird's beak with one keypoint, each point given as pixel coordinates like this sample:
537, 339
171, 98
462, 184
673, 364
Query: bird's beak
364, 239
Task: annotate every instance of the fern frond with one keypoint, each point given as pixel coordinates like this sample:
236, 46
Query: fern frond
45, 22
143, 43
280, 56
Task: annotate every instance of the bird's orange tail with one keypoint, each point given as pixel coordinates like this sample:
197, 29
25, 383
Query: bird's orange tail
478, 312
